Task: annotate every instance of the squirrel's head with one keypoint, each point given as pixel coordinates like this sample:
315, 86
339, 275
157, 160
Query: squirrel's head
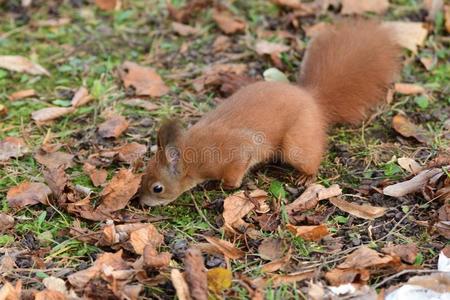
165, 178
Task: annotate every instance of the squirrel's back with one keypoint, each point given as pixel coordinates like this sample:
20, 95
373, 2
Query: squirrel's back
348, 69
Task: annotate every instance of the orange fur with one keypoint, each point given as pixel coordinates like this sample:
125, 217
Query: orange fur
345, 72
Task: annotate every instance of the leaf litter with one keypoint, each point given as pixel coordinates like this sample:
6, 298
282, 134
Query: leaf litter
139, 259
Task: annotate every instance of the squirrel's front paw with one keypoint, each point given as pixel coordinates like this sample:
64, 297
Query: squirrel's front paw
305, 180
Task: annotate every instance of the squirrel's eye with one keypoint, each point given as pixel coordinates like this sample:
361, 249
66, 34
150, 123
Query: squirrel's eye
157, 188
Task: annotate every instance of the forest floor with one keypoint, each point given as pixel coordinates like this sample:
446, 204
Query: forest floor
81, 45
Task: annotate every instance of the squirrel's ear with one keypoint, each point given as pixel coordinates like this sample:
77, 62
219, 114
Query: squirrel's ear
169, 136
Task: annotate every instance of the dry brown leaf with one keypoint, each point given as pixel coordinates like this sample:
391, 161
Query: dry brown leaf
105, 265
109, 5
81, 97
311, 196
52, 160
363, 211
361, 6
147, 105
225, 247
119, 191
130, 152
3, 110
407, 252
143, 80
113, 127
22, 94
406, 128
338, 277
428, 62
409, 165
142, 237
309, 233
180, 285
276, 264
294, 4
278, 280
6, 222
28, 193
227, 22
443, 226
56, 180
212, 74
410, 186
236, 206
184, 13
153, 259
433, 7
265, 47
22, 65
195, 273
408, 34
438, 282
271, 249
12, 147
408, 89
221, 43
50, 113
97, 176
364, 257
184, 30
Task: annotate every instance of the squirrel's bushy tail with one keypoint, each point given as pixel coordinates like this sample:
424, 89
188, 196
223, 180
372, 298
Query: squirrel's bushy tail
349, 68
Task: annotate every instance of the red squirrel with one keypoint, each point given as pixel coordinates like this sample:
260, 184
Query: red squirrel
346, 71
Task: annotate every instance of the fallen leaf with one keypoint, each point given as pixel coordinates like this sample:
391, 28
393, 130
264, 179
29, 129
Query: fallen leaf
184, 13
196, 276
363, 211
443, 226
97, 176
155, 260
409, 164
238, 205
338, 277
361, 6
219, 279
49, 295
406, 252
81, 97
130, 152
56, 180
271, 249
408, 89
227, 22
410, 186
408, 34
276, 264
3, 110
294, 4
6, 222
273, 74
221, 43
147, 235
143, 80
311, 196
309, 233
180, 285
278, 280
12, 147
364, 257
113, 127
147, 105
108, 5
50, 113
406, 128
119, 191
433, 286
213, 75
265, 47
225, 247
22, 65
434, 7
28, 193
22, 94
52, 160
184, 30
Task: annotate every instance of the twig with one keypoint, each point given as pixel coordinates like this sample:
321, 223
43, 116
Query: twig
397, 224
202, 214
403, 273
